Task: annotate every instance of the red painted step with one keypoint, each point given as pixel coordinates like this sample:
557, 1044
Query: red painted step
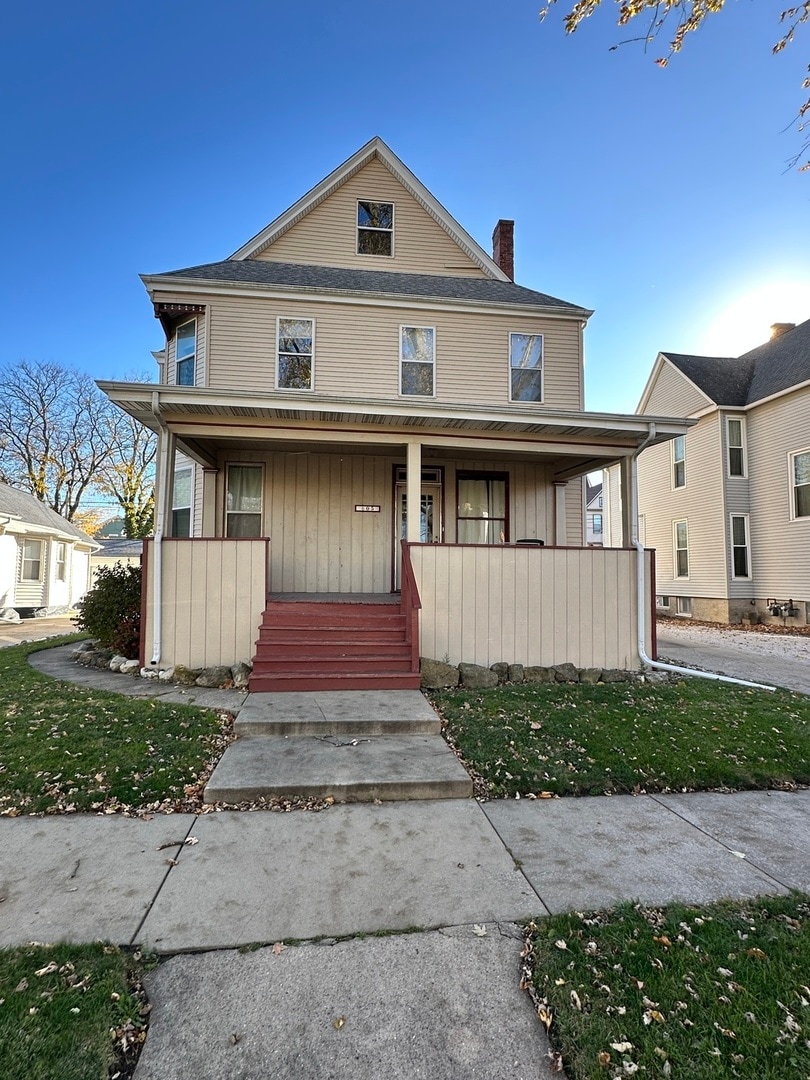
352, 681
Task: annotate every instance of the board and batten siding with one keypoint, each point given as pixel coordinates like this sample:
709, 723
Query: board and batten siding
532, 606
674, 395
327, 235
357, 348
780, 546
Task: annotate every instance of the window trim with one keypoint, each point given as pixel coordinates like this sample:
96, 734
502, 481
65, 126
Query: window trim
189, 469
678, 461
411, 326
676, 549
527, 333
793, 486
192, 357
296, 389
60, 564
743, 448
41, 560
374, 228
732, 546
484, 474
600, 528
226, 512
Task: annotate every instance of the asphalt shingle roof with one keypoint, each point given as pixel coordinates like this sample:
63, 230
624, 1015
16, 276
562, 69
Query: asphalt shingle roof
338, 279
33, 512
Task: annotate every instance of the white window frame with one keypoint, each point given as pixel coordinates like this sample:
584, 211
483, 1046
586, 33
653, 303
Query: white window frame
742, 448
374, 228
542, 398
410, 326
60, 561
676, 549
732, 546
793, 485
676, 461
296, 389
190, 507
594, 529
683, 606
236, 513
193, 357
40, 560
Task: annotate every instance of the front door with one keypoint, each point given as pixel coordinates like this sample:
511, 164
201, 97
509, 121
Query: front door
430, 519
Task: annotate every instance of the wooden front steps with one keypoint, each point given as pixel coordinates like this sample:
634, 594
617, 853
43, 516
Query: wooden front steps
327, 645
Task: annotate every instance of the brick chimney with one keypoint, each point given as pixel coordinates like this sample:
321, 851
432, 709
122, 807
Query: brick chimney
503, 247
779, 328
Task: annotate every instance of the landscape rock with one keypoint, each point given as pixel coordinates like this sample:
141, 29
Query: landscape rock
517, 673
166, 674
565, 673
436, 675
475, 677
9, 614
535, 674
590, 675
149, 673
501, 670
214, 677
186, 676
240, 673
614, 675
129, 667
116, 662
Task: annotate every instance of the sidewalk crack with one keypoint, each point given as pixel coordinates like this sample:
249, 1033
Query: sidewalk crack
171, 865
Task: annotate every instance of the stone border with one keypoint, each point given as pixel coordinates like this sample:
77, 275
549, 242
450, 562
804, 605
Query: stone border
223, 677
437, 675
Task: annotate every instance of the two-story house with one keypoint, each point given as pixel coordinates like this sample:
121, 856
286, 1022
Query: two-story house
727, 505
367, 428
594, 514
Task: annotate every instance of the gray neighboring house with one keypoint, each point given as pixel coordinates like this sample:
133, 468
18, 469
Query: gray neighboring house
44, 559
727, 505
117, 550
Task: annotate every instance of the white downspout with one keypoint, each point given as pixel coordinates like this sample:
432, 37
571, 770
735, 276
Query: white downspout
160, 514
640, 583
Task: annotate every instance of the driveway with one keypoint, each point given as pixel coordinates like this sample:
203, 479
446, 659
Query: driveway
13, 633
754, 655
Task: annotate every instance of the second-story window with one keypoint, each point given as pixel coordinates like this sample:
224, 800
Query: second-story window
679, 462
526, 367
375, 228
185, 352
735, 427
417, 360
295, 354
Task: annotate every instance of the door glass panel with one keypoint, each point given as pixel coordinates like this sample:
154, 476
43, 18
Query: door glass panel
426, 520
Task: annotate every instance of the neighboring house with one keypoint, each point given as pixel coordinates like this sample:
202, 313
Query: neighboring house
44, 559
118, 551
594, 515
359, 374
727, 505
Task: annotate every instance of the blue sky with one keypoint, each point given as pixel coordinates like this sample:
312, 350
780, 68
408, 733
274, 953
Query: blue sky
145, 137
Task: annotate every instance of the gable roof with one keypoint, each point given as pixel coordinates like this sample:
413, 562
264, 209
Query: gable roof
384, 283
28, 509
769, 369
375, 148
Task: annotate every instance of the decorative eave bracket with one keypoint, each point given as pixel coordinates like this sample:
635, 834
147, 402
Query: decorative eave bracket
170, 313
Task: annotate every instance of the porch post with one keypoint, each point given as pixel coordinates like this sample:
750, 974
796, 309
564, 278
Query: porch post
560, 532
414, 491
628, 501
165, 483
208, 503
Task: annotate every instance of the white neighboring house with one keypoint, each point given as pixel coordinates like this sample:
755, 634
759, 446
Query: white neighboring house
44, 559
594, 515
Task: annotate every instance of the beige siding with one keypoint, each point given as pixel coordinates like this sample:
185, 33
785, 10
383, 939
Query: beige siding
529, 605
674, 395
737, 501
780, 546
612, 487
214, 593
327, 235
200, 374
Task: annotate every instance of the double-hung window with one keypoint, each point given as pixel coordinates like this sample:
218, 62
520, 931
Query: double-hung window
417, 360
679, 462
375, 228
526, 367
735, 439
482, 501
800, 482
597, 523
295, 354
681, 544
61, 562
181, 503
243, 501
740, 560
31, 568
185, 352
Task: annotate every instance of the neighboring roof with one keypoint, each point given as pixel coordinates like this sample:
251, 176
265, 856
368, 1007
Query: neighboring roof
592, 491
375, 148
28, 509
379, 282
120, 548
769, 369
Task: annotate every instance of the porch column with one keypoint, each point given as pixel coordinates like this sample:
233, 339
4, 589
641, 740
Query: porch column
164, 483
414, 491
208, 503
626, 494
560, 532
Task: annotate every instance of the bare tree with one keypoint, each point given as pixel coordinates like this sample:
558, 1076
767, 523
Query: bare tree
129, 476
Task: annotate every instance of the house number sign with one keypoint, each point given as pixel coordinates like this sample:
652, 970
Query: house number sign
366, 509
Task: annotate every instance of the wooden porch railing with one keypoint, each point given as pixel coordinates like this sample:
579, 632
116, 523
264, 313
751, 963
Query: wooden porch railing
409, 604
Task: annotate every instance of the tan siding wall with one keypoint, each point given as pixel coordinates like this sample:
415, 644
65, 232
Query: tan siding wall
214, 593
737, 501
327, 235
574, 513
780, 546
612, 487
674, 395
528, 605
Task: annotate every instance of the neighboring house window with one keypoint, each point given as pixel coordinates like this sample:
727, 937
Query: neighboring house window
526, 367
181, 503
295, 354
185, 353
735, 430
681, 535
482, 502
800, 476
61, 562
683, 605
740, 563
679, 462
243, 511
417, 360
31, 569
375, 228
597, 523
662, 601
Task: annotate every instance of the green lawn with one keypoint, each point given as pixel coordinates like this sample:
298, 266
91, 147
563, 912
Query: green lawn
628, 737
700, 993
65, 747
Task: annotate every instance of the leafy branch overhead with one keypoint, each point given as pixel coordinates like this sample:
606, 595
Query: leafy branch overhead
687, 16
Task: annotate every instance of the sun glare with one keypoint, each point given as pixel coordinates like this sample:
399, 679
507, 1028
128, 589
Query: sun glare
746, 322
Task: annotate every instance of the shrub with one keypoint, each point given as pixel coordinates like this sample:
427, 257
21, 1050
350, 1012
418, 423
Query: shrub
111, 610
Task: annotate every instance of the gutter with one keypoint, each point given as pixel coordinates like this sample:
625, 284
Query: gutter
160, 515
641, 605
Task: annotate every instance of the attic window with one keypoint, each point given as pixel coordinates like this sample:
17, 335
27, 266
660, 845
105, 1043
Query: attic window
375, 228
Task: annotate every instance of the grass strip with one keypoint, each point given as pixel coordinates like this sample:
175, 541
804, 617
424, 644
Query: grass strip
705, 993
635, 737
